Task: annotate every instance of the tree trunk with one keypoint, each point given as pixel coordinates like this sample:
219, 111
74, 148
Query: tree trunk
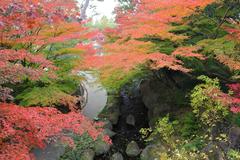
84, 9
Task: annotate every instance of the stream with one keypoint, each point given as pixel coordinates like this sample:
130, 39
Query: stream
97, 95
96, 100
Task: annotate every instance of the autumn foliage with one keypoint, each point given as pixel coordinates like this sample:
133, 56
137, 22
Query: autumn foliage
148, 19
234, 34
128, 55
22, 129
28, 30
40, 38
154, 18
235, 98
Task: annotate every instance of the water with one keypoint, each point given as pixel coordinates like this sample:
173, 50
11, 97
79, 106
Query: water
97, 95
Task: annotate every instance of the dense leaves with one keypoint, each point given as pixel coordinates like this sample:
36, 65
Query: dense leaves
33, 36
25, 128
142, 33
42, 41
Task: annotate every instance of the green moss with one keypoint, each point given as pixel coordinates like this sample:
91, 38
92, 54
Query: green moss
119, 78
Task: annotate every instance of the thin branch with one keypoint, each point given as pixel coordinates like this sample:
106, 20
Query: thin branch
222, 21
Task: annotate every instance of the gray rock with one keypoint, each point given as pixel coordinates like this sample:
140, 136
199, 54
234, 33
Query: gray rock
109, 132
132, 149
149, 152
157, 97
234, 137
114, 114
101, 147
214, 152
117, 156
88, 155
130, 120
108, 124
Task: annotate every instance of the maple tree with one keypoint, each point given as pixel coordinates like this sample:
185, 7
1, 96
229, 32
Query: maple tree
22, 129
154, 18
235, 97
22, 21
30, 30
229, 60
130, 43
41, 42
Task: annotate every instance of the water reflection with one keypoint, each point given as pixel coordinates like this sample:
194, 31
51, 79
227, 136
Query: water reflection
97, 95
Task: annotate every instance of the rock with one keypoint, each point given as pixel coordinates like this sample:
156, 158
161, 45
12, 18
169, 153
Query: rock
101, 148
149, 152
114, 115
117, 156
234, 137
214, 152
158, 98
132, 149
130, 120
108, 125
88, 155
109, 132
114, 118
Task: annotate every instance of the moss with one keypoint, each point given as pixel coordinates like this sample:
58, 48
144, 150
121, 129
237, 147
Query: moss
118, 78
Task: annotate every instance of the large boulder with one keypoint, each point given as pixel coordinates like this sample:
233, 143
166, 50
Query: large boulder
108, 125
114, 115
101, 147
151, 152
132, 149
117, 156
213, 151
155, 94
88, 155
130, 120
234, 137
109, 132
158, 98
